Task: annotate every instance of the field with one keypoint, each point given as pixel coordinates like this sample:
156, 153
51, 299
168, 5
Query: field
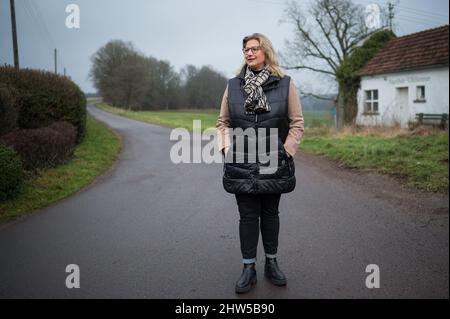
184, 118
417, 158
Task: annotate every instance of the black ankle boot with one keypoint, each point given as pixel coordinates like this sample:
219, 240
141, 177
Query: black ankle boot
273, 272
247, 279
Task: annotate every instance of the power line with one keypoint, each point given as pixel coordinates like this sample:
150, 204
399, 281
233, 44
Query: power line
407, 16
417, 11
268, 2
423, 12
41, 22
425, 17
427, 24
38, 27
422, 19
440, 19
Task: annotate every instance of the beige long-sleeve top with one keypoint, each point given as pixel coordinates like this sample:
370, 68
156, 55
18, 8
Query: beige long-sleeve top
296, 122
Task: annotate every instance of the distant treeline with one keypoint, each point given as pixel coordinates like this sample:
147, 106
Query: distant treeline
313, 104
128, 79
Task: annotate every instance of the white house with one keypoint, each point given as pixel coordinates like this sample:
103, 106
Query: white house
408, 76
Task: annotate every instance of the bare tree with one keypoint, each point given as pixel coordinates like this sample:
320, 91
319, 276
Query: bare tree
131, 80
168, 79
324, 36
164, 89
105, 62
203, 87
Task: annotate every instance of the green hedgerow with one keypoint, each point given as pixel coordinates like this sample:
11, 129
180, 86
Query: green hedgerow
10, 172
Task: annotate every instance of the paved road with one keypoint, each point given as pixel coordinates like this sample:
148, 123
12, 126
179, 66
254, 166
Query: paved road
152, 229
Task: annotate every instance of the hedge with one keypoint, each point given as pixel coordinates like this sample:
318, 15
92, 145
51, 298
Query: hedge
8, 109
11, 172
44, 98
42, 147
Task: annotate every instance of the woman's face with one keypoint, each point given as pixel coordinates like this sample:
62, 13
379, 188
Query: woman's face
254, 55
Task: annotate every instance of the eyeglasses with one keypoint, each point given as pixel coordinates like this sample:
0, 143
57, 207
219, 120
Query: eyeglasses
254, 50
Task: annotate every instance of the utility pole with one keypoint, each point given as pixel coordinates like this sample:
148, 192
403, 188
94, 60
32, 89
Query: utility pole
14, 34
64, 71
56, 61
391, 15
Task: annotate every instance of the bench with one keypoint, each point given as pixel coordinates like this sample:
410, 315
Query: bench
422, 117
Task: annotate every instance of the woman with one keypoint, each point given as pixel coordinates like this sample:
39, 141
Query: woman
260, 97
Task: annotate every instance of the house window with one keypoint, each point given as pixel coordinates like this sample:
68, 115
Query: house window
420, 93
371, 101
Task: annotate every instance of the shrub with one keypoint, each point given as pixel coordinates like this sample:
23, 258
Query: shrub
11, 172
67, 139
42, 147
45, 98
8, 110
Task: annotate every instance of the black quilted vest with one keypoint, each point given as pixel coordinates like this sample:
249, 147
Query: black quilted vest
245, 176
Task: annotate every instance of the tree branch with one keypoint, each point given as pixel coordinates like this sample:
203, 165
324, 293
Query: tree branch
336, 29
298, 67
327, 35
313, 43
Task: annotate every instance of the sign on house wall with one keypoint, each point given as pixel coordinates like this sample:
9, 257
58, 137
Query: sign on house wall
408, 79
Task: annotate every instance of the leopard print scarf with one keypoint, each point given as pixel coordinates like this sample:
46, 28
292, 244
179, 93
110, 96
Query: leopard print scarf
256, 101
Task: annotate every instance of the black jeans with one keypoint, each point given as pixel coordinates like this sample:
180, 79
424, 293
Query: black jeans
256, 210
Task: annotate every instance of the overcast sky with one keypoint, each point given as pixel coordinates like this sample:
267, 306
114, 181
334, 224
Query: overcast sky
198, 32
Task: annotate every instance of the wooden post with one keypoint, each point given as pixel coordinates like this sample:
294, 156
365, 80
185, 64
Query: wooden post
14, 34
56, 61
420, 118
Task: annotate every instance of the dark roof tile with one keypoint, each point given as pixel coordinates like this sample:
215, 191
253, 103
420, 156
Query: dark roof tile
423, 49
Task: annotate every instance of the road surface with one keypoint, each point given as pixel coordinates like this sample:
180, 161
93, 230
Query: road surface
149, 228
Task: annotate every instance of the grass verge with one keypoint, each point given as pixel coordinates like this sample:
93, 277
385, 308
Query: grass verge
172, 119
420, 161
92, 157
184, 118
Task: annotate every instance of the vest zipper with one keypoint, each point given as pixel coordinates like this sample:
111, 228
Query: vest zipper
257, 157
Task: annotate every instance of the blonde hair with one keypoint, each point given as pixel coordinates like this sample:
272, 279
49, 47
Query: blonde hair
269, 52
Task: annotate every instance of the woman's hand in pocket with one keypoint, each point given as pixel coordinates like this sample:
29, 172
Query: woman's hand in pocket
287, 154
